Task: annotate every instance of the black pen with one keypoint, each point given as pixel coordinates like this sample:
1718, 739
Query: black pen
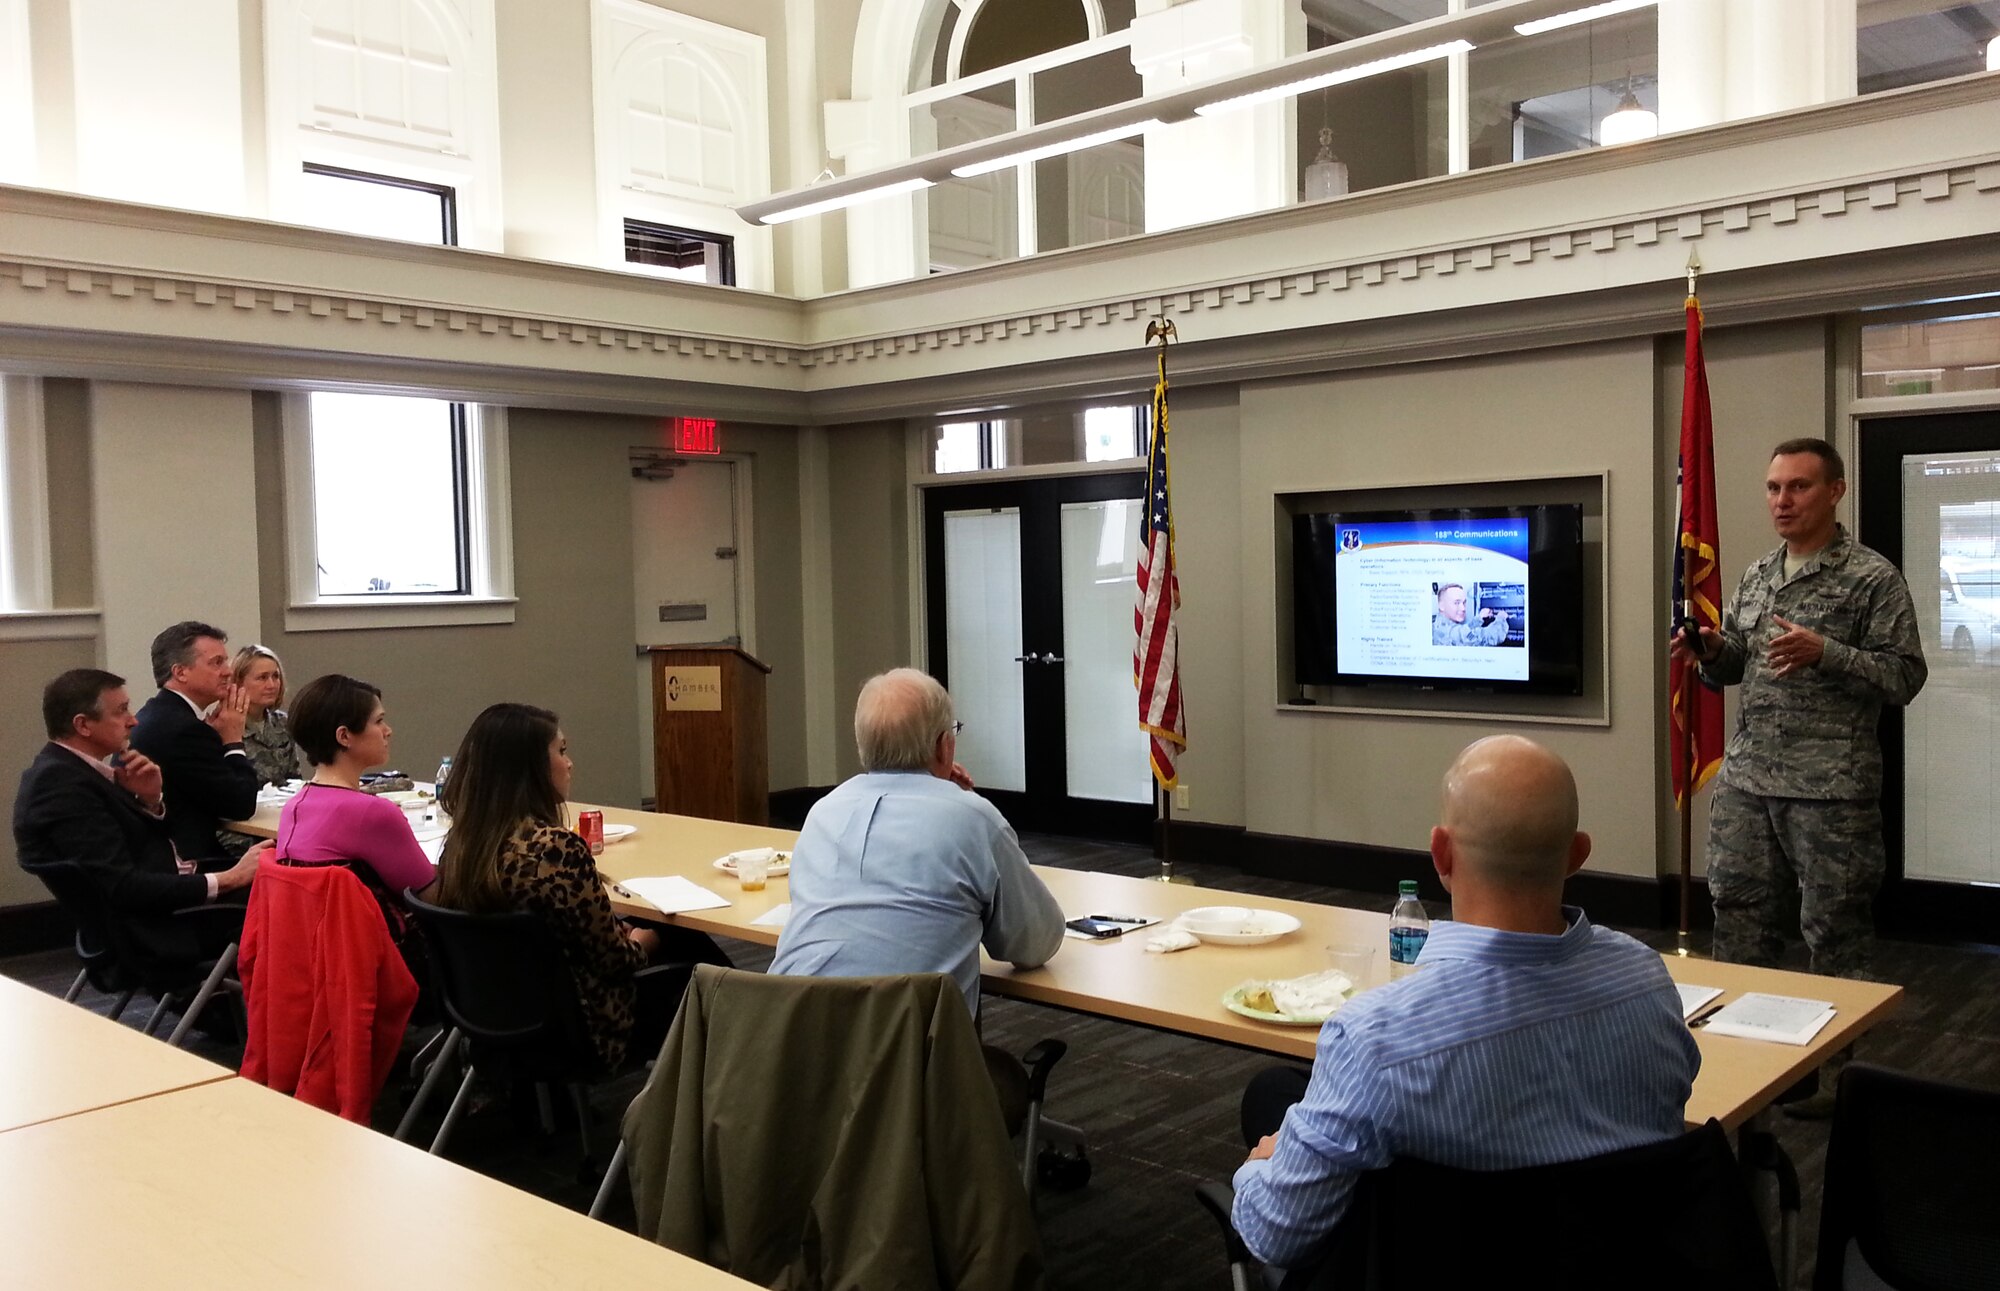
1701, 1018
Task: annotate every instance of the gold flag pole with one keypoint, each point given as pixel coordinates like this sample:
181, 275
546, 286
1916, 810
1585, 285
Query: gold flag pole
1687, 715
1163, 331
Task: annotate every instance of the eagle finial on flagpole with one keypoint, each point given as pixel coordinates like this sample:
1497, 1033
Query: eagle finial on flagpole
1161, 330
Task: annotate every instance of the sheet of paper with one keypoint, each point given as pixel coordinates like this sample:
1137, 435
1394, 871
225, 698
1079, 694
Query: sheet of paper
775, 917
1782, 1018
673, 894
1694, 997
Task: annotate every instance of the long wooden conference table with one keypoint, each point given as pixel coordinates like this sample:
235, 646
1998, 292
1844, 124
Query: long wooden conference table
1182, 992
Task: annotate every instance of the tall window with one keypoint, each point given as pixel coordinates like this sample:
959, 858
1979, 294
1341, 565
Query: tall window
389, 495
402, 498
24, 554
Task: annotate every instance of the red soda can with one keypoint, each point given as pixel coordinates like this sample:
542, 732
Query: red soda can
590, 824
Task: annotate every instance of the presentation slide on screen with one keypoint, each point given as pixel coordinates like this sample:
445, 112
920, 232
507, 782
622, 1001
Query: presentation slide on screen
1433, 598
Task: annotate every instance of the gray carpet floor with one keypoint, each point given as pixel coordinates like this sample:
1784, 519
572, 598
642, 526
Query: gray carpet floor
1160, 1110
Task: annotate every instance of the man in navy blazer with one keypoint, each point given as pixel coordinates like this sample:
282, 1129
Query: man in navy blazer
194, 729
87, 798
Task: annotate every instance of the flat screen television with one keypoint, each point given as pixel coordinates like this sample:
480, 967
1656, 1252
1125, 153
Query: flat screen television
1447, 598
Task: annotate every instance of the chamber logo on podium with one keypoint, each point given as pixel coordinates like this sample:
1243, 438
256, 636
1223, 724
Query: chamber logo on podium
692, 690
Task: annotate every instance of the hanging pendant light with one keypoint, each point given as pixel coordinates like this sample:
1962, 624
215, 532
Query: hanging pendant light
1629, 122
1327, 176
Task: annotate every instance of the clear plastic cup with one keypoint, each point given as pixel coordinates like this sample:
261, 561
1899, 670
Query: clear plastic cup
1357, 962
753, 868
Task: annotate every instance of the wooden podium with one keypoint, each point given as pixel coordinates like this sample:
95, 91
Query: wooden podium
710, 744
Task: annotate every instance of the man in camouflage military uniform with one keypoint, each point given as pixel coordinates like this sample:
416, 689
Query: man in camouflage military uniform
1448, 625
1820, 635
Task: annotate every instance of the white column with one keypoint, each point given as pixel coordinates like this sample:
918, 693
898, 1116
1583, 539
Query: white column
885, 238
1721, 60
1208, 169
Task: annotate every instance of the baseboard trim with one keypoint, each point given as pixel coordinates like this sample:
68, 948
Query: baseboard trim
38, 926
1619, 899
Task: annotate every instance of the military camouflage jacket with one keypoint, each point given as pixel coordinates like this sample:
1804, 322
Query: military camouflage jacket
1445, 632
1812, 734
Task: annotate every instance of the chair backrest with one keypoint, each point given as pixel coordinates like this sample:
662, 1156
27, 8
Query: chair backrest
1672, 1214
829, 1132
502, 980
1910, 1183
102, 943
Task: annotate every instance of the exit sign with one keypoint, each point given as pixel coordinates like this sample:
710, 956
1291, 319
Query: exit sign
696, 435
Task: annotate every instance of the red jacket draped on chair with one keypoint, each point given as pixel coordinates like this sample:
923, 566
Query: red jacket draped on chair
327, 993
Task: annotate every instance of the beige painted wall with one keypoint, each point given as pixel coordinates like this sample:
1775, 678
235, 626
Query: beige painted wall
174, 525
548, 184
1371, 778
868, 483
1206, 442
570, 645
1766, 384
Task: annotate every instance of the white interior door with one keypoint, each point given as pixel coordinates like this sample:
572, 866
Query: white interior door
686, 571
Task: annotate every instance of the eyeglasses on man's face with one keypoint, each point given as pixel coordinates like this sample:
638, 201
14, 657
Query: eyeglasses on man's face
953, 729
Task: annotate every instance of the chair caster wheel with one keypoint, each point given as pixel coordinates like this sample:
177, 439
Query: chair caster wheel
1063, 1171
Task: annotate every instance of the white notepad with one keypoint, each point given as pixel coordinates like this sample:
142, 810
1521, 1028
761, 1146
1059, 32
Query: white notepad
672, 894
1694, 997
775, 917
1772, 1017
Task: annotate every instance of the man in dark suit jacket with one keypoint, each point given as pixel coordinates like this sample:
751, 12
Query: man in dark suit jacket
75, 805
194, 729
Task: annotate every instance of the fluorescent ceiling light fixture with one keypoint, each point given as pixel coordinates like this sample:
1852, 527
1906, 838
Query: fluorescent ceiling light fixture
1077, 144
845, 200
1338, 76
1590, 13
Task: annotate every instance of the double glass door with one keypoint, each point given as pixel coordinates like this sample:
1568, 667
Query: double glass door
1931, 502
1030, 600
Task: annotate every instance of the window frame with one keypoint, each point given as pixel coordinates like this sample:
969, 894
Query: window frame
486, 535
725, 244
447, 194
27, 576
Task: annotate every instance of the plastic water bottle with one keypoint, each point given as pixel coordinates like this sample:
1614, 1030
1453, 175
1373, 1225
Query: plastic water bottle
443, 774
1409, 929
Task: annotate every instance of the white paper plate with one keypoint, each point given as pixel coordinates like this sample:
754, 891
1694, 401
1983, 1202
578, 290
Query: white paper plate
1226, 925
1232, 999
781, 864
612, 833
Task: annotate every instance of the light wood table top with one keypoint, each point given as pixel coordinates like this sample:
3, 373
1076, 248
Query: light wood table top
229, 1185
1182, 992
60, 1059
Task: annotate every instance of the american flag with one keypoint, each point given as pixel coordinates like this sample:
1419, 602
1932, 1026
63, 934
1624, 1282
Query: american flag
1156, 647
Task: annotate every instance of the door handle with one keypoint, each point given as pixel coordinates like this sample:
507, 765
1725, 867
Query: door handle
1052, 657
1025, 658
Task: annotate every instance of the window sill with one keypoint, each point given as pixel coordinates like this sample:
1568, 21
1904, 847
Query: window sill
49, 625
350, 614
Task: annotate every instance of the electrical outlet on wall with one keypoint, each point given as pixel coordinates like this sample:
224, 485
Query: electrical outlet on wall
1183, 798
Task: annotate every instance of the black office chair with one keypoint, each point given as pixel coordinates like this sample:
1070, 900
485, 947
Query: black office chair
1910, 1194
509, 998
117, 962
1667, 1215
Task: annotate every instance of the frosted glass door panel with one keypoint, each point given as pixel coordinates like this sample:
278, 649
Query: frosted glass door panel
1100, 560
1951, 762
982, 597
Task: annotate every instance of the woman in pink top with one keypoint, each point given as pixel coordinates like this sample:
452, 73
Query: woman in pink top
339, 723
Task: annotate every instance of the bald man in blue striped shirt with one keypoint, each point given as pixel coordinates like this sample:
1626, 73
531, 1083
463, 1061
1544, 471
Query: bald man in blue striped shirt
1526, 1036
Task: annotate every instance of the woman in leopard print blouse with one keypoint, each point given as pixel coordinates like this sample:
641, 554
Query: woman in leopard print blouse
510, 849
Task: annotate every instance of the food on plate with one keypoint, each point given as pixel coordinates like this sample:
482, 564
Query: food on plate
1314, 995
